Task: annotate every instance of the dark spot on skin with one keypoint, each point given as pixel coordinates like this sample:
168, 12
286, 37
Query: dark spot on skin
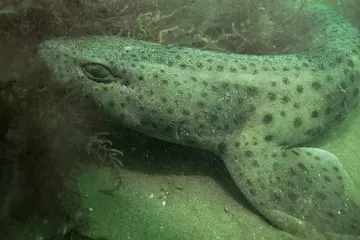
283, 154
204, 94
237, 144
274, 155
321, 195
213, 118
286, 80
255, 163
339, 59
220, 68
205, 83
249, 153
283, 113
336, 169
232, 69
201, 104
305, 64
302, 167
316, 85
239, 118
321, 66
292, 172
183, 65
292, 195
141, 77
240, 100
165, 82
285, 99
225, 85
296, 105
317, 158
252, 192
272, 96
295, 152
170, 110
314, 114
249, 182
300, 88
185, 112
352, 78
111, 104
214, 88
309, 180
222, 147
276, 166
268, 138
350, 63
313, 131
252, 91
356, 92
329, 79
327, 179
199, 65
285, 69
251, 108
273, 84
276, 197
268, 118
297, 122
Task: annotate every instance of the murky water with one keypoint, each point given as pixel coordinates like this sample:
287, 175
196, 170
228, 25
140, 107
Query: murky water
70, 168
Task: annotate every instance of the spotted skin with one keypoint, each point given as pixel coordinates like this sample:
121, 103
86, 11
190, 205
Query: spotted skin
253, 111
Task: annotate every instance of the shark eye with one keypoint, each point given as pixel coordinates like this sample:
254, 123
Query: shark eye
97, 72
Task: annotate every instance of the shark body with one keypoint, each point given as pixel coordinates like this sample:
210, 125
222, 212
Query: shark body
253, 111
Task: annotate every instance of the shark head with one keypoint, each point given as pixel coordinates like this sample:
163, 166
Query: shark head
142, 85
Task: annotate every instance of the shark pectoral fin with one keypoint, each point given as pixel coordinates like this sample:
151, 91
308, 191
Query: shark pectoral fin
299, 190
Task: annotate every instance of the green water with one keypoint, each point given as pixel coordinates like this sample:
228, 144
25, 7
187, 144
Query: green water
165, 191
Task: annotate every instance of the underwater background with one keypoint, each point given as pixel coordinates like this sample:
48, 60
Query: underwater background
68, 171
